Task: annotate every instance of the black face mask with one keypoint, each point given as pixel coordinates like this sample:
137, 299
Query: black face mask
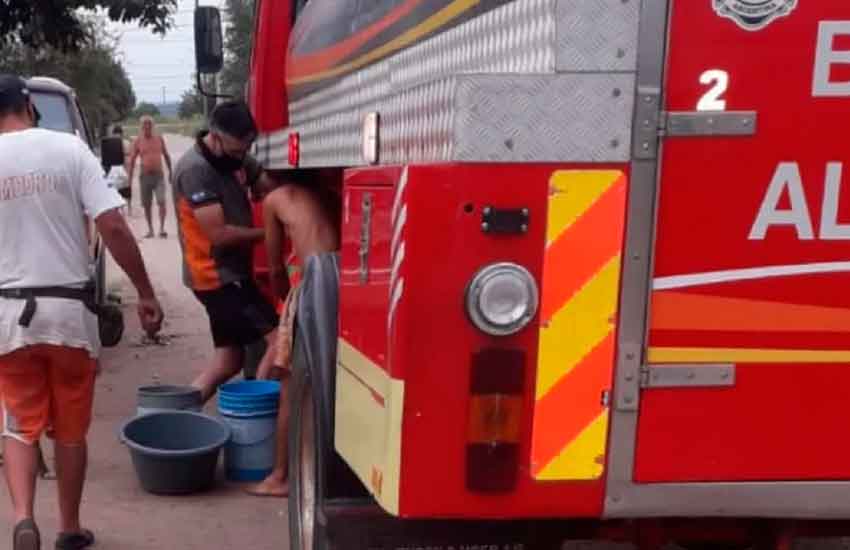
225, 163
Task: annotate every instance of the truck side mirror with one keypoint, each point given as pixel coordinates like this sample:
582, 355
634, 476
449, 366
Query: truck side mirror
209, 47
112, 152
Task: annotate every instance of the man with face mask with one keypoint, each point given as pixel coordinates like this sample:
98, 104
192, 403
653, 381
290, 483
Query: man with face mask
211, 184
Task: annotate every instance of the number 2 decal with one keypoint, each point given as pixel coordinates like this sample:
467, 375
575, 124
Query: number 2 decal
719, 82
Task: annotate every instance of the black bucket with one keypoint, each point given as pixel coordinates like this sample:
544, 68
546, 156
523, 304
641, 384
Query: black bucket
175, 452
151, 399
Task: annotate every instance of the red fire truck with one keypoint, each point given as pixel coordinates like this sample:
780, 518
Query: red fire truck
594, 268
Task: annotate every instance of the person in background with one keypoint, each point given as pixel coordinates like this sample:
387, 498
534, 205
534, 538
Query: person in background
308, 213
118, 176
126, 192
49, 340
211, 183
150, 147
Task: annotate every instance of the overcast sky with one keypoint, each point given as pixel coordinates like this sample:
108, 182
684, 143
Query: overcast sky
157, 64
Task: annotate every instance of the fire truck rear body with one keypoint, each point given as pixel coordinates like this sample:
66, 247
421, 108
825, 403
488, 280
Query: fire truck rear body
669, 175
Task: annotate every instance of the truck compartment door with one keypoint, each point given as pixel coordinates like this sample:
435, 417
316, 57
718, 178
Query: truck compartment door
749, 345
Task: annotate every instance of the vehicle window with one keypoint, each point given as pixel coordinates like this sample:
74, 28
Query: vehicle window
299, 5
89, 136
55, 112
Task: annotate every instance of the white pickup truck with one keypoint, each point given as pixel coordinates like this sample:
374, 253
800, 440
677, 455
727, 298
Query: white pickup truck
60, 111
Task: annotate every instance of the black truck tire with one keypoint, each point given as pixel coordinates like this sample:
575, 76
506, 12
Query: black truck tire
305, 476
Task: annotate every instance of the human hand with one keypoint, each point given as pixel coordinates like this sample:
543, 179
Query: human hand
150, 315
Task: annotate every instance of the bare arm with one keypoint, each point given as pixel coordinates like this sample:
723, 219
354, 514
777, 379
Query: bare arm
211, 219
122, 244
274, 249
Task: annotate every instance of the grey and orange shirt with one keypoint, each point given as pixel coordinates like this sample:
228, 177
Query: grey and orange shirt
196, 184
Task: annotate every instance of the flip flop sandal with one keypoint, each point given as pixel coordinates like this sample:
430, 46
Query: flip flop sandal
75, 541
26, 536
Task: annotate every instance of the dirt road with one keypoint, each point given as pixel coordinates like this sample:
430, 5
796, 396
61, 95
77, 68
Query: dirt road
122, 515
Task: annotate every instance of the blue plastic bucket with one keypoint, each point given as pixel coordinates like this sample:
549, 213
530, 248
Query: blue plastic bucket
250, 409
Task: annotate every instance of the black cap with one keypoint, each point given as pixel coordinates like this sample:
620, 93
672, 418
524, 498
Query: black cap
13, 91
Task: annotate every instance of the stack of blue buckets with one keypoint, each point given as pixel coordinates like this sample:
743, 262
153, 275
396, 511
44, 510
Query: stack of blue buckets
250, 409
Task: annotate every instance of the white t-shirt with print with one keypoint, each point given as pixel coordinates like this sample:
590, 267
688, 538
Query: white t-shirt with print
49, 181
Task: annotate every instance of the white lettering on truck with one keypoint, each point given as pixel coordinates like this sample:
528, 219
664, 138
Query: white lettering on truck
827, 56
712, 100
787, 178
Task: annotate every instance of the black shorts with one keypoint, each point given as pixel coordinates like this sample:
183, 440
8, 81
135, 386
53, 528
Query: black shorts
239, 314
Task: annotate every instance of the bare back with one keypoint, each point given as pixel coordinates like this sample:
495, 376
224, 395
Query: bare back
306, 223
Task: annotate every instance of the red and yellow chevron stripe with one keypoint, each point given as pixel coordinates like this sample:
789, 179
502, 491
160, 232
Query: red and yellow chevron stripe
581, 281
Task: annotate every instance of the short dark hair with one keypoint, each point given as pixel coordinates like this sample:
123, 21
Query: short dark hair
233, 118
14, 95
117, 130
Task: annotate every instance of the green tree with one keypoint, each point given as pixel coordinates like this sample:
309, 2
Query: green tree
62, 24
191, 104
238, 41
99, 79
146, 109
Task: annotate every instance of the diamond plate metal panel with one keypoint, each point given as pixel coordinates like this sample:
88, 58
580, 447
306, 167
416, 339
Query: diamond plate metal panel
518, 37
481, 118
597, 35
418, 125
365, 86
485, 91
569, 117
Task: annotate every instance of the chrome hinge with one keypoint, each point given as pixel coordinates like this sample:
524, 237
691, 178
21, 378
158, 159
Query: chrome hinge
708, 123
648, 123
687, 376
643, 376
365, 237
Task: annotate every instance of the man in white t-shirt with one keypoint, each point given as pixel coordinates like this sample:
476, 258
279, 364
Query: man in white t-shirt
50, 182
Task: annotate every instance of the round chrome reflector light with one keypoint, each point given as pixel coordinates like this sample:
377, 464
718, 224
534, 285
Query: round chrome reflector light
502, 299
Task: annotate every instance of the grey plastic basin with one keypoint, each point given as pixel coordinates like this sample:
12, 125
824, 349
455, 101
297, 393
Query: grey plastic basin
175, 452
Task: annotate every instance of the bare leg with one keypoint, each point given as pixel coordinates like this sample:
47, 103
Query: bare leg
264, 369
162, 232
71, 463
277, 484
227, 363
149, 218
21, 467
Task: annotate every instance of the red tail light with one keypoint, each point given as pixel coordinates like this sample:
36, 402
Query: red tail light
294, 149
495, 420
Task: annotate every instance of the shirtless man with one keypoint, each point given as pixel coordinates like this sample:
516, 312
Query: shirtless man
150, 146
308, 213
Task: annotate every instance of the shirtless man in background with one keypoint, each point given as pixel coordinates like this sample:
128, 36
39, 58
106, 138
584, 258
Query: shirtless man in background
150, 146
308, 212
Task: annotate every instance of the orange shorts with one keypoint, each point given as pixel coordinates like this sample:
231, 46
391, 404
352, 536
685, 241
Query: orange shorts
43, 386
